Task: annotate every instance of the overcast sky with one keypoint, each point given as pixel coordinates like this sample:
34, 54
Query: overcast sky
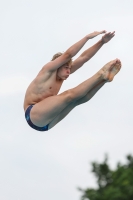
51, 165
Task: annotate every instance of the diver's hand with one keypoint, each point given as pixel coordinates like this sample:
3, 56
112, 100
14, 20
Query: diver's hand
95, 33
107, 37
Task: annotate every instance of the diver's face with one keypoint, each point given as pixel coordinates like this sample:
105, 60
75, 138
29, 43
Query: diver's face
64, 71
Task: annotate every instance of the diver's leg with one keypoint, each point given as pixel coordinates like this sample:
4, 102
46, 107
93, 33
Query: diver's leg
70, 107
43, 112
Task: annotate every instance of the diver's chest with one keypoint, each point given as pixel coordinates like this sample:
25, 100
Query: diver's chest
54, 88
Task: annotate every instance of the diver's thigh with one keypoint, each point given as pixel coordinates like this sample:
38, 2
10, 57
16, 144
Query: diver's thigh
62, 114
46, 110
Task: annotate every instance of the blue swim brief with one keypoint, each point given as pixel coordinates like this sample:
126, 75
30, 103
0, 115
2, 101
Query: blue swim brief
27, 117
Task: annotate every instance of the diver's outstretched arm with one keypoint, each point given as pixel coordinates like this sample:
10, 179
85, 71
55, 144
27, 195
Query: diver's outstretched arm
70, 52
90, 52
74, 49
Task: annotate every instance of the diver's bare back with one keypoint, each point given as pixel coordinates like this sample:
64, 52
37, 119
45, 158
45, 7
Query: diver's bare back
43, 86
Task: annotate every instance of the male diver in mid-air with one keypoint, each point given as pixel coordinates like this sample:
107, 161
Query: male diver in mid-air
43, 106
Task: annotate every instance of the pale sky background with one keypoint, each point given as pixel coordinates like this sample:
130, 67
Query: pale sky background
51, 165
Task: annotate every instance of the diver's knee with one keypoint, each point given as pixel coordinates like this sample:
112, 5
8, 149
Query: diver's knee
69, 96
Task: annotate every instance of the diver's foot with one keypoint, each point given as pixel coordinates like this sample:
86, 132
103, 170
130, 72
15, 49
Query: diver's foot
110, 70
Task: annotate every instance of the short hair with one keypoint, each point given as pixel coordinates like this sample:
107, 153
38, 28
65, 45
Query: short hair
58, 55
